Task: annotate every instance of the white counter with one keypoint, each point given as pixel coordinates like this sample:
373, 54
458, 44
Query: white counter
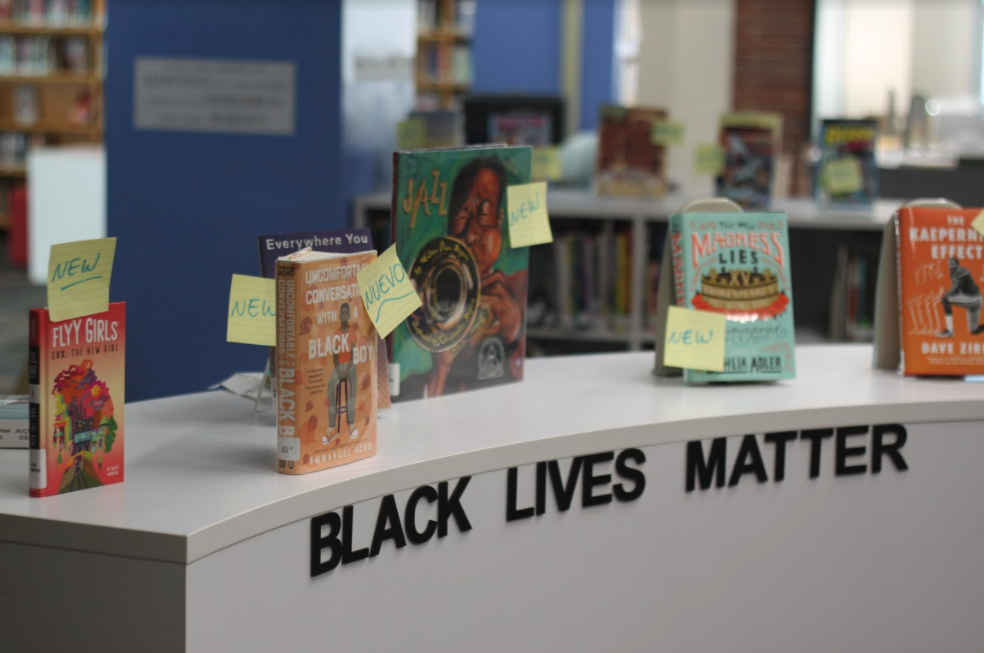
200, 470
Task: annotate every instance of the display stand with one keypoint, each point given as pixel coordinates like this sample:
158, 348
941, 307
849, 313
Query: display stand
666, 295
887, 343
590, 504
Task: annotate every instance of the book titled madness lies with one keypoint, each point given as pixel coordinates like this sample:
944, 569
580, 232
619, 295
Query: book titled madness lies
76, 411
451, 234
326, 363
738, 264
847, 172
941, 270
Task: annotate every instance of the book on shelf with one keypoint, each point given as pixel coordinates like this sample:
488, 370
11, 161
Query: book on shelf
752, 144
34, 56
738, 264
630, 163
326, 363
940, 271
14, 422
846, 173
431, 17
449, 227
852, 297
77, 370
46, 13
520, 128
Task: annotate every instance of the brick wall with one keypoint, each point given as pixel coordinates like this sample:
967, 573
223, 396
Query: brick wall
774, 70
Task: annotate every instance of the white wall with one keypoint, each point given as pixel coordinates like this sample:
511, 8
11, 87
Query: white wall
685, 65
944, 41
878, 55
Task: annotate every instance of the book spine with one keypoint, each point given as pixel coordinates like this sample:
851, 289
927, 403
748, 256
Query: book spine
288, 438
37, 480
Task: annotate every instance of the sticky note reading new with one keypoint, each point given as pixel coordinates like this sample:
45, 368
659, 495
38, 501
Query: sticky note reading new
387, 293
694, 339
252, 311
978, 223
78, 278
668, 132
709, 160
529, 222
546, 164
842, 176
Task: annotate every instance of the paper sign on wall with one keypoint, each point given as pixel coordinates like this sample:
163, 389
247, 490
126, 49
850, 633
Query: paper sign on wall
78, 278
709, 160
387, 293
529, 222
252, 311
694, 339
842, 176
668, 132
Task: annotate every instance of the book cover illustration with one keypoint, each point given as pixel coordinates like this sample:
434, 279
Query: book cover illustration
847, 173
451, 234
738, 264
940, 276
751, 144
77, 398
517, 128
326, 363
629, 163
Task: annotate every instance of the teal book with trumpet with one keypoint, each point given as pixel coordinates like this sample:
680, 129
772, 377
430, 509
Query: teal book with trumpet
449, 226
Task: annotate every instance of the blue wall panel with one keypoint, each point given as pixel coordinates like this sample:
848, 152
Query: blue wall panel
516, 48
597, 65
187, 207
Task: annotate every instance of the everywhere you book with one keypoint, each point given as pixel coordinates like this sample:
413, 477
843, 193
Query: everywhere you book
76, 411
752, 145
738, 264
451, 234
847, 173
940, 275
326, 363
630, 163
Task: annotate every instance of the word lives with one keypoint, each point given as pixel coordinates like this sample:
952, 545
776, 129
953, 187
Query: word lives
850, 444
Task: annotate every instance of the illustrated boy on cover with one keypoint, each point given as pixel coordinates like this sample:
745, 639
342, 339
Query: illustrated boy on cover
476, 214
344, 368
965, 294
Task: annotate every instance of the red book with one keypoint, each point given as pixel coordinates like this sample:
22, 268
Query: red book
76, 411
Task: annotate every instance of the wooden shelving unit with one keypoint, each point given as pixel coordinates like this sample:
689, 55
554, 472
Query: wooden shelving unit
444, 66
67, 99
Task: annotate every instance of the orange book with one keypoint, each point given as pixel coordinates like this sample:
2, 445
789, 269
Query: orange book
941, 269
326, 363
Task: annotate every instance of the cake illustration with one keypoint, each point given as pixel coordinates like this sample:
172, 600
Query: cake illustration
741, 291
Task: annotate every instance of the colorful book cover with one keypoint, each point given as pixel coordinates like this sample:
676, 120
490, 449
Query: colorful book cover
450, 230
14, 423
752, 145
847, 173
521, 128
629, 163
326, 363
76, 412
941, 269
738, 264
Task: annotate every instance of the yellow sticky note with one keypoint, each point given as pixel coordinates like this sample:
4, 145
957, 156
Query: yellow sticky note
529, 222
252, 311
411, 134
694, 339
387, 293
546, 164
842, 176
78, 278
978, 223
709, 160
668, 132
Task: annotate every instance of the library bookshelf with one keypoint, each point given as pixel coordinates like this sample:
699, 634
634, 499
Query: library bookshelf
817, 237
51, 82
444, 62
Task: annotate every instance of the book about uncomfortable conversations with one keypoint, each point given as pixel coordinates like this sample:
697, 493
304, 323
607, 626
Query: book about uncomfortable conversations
76, 419
326, 363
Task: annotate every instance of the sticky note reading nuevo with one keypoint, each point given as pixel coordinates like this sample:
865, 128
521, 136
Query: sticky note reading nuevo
978, 223
252, 311
529, 222
387, 293
842, 176
78, 278
694, 339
